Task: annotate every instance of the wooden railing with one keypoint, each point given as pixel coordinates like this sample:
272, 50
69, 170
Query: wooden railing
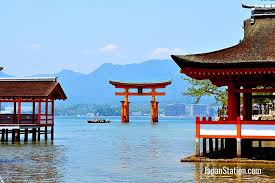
26, 119
238, 122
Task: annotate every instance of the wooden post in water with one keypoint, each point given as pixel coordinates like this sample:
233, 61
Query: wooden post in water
34, 134
12, 135
204, 146
26, 135
238, 139
7, 135
154, 106
52, 132
3, 135
38, 134
52, 129
46, 133
17, 135
222, 144
210, 145
239, 147
46, 111
216, 144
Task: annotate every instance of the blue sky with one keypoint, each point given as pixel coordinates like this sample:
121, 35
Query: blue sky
80, 35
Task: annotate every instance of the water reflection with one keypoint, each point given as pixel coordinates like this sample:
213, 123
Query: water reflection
154, 151
31, 162
268, 173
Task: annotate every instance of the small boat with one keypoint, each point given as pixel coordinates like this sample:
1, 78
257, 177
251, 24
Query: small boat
99, 121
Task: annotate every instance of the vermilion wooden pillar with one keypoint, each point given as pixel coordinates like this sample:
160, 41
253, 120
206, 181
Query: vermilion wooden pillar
52, 113
19, 111
14, 112
39, 112
124, 111
125, 107
233, 102
154, 107
33, 112
247, 106
154, 111
47, 110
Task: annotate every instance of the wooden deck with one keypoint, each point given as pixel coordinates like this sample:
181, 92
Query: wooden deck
234, 160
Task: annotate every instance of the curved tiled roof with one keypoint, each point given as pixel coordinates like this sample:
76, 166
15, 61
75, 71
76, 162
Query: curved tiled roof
31, 88
257, 49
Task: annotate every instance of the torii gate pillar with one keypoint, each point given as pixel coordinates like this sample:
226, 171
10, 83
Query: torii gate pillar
154, 111
124, 111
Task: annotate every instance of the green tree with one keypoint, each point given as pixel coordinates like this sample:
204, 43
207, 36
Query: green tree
200, 88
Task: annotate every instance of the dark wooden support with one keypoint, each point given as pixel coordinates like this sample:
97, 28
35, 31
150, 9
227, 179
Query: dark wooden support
38, 134
216, 144
231, 147
46, 133
17, 135
13, 135
52, 133
247, 106
239, 147
3, 135
26, 135
204, 146
7, 135
210, 145
222, 144
34, 134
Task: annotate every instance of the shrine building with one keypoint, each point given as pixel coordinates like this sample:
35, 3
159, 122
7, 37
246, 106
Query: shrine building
247, 70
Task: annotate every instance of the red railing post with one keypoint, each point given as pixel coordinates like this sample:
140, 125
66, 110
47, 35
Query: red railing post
239, 127
197, 146
52, 112
46, 111
19, 110
39, 112
239, 140
197, 127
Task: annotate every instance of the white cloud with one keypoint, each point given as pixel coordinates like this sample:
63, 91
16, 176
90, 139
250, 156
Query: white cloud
35, 45
165, 52
109, 48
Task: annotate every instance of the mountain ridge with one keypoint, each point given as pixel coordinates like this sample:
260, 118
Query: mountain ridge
94, 87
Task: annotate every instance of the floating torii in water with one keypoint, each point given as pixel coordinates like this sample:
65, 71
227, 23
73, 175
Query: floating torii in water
139, 86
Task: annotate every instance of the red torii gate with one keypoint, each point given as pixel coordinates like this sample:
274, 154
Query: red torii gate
139, 86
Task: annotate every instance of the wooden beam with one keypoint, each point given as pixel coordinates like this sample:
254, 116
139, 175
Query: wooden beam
140, 94
268, 90
264, 96
267, 70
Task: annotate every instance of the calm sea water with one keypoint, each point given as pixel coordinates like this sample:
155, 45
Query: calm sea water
115, 152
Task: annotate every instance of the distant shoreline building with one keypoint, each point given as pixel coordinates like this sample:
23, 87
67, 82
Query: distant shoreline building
198, 110
174, 110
